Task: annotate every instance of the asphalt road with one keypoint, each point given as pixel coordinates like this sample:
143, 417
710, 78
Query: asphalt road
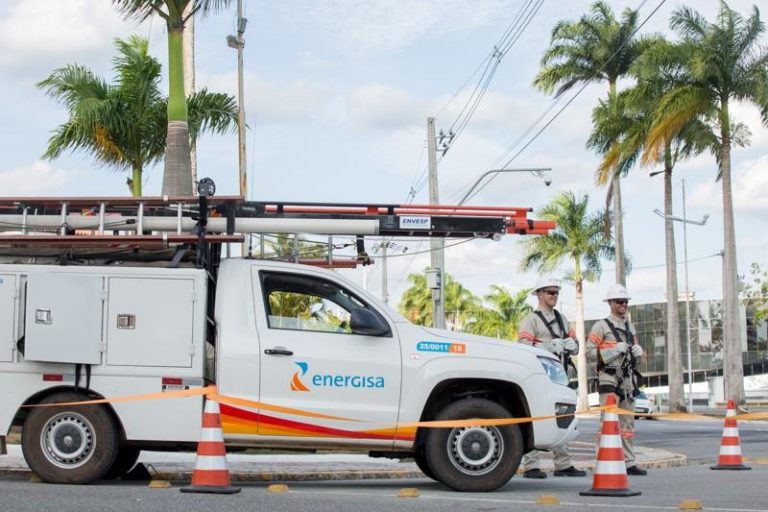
662, 489
699, 440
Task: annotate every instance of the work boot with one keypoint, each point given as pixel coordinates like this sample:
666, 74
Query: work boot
570, 471
634, 470
534, 473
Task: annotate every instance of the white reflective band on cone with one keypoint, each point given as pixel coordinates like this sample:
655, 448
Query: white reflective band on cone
610, 467
730, 450
212, 434
730, 432
610, 442
210, 462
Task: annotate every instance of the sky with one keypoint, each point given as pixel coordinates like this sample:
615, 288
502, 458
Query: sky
337, 93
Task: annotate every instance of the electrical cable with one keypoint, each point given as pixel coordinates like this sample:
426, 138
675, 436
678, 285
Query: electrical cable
556, 100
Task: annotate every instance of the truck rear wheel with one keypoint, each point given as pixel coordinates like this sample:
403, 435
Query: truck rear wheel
69, 444
474, 459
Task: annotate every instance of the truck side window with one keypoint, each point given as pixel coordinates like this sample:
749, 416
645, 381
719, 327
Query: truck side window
306, 303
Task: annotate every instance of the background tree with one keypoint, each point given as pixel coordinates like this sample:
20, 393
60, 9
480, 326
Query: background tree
177, 176
596, 48
416, 302
756, 291
579, 239
504, 315
122, 125
719, 62
620, 133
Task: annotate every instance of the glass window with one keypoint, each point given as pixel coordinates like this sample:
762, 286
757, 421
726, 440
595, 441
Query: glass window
306, 303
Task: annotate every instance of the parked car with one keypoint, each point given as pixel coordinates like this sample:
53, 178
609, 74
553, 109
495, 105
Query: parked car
645, 405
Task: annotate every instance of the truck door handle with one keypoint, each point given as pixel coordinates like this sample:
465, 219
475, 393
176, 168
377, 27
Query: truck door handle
280, 351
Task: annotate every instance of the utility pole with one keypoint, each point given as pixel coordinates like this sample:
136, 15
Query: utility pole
437, 244
238, 43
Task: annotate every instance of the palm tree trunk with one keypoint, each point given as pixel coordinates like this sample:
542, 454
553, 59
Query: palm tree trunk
189, 80
618, 221
177, 176
734, 368
674, 359
581, 357
136, 181
618, 228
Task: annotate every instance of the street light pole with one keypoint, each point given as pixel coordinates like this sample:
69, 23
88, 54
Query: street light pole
685, 221
238, 43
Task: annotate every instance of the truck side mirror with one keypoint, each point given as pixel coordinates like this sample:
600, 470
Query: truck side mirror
366, 322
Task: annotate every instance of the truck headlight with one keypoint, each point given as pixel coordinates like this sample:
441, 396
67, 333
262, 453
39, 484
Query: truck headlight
554, 370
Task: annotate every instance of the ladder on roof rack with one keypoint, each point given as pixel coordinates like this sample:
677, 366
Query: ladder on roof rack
120, 223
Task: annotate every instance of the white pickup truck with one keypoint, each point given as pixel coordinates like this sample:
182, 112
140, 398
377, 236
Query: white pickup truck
333, 366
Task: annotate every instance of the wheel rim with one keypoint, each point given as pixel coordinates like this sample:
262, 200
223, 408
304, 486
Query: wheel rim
475, 450
68, 440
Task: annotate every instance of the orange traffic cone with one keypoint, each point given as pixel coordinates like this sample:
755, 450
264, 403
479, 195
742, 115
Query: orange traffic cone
730, 445
610, 478
211, 474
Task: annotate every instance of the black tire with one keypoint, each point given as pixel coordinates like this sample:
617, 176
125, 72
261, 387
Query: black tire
422, 463
127, 456
69, 444
474, 459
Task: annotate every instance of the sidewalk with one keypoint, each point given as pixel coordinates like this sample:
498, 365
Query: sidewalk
332, 466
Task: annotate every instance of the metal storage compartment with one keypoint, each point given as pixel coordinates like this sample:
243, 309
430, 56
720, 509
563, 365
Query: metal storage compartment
150, 321
63, 318
8, 314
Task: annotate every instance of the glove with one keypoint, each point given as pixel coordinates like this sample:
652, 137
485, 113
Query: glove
637, 350
570, 345
557, 346
621, 347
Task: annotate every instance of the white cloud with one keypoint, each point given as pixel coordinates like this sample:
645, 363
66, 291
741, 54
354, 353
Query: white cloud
749, 187
33, 32
362, 26
38, 178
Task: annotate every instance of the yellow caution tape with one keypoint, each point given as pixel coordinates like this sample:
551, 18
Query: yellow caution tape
212, 393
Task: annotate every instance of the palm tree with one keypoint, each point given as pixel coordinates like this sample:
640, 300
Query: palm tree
122, 125
416, 302
505, 314
621, 139
580, 239
177, 176
596, 48
718, 62
460, 304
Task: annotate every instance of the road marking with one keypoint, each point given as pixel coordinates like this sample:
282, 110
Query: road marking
615, 506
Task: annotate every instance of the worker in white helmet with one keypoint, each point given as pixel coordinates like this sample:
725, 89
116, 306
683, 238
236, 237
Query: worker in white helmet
547, 328
612, 345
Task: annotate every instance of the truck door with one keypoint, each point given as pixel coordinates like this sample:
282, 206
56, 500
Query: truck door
335, 383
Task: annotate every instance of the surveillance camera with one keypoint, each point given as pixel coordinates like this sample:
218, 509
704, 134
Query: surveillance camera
547, 180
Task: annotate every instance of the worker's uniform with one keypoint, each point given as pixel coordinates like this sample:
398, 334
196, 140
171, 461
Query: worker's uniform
534, 331
612, 378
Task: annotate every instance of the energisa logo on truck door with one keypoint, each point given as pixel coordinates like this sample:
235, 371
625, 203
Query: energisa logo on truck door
330, 380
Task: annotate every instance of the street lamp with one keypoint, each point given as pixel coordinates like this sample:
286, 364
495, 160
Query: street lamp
684, 221
539, 172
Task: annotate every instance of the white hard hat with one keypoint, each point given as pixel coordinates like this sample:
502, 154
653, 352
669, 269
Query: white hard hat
546, 282
617, 291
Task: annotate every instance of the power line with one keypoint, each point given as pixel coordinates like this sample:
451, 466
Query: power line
556, 100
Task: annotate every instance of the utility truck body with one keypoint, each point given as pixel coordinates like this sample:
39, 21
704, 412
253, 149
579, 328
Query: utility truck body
313, 362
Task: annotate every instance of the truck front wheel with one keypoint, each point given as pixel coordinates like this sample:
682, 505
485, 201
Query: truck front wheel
478, 458
69, 444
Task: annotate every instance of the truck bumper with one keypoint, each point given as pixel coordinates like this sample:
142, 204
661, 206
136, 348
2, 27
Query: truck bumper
560, 400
